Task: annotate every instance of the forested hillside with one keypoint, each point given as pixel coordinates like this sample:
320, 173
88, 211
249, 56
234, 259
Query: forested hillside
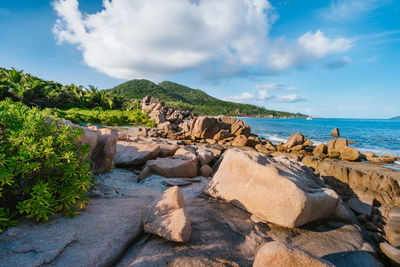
186, 98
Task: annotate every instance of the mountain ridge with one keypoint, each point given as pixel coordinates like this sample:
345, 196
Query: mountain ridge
195, 100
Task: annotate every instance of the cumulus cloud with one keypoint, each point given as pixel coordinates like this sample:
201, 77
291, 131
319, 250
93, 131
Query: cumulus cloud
352, 9
263, 95
339, 63
152, 38
240, 98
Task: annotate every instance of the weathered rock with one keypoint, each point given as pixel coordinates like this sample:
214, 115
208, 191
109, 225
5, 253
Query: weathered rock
90, 137
387, 158
97, 237
335, 132
166, 127
133, 153
275, 190
308, 143
391, 252
321, 149
185, 126
204, 156
103, 155
221, 135
158, 116
168, 218
276, 254
227, 120
294, 140
339, 146
205, 171
188, 152
270, 146
227, 235
173, 167
363, 179
360, 207
253, 141
204, 127
240, 128
240, 140
167, 150
392, 231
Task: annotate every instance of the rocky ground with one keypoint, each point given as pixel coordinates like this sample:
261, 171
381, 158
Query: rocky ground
210, 193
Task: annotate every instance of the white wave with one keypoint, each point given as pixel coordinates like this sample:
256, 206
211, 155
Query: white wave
397, 162
274, 138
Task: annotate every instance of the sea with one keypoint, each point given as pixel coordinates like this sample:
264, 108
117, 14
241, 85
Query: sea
370, 135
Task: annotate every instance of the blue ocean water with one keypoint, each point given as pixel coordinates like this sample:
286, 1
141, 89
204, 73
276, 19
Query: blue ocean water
370, 135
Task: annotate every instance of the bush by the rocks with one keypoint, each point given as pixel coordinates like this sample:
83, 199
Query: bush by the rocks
43, 167
105, 117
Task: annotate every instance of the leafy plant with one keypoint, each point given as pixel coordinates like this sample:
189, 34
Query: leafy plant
43, 167
105, 117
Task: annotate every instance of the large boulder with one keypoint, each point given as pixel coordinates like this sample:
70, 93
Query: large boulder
90, 137
276, 254
173, 167
167, 217
295, 140
97, 237
204, 127
239, 127
321, 149
240, 140
221, 135
339, 147
205, 156
335, 132
103, 155
133, 153
275, 190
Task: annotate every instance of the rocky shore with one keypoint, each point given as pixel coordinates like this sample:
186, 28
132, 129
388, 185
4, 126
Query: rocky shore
203, 191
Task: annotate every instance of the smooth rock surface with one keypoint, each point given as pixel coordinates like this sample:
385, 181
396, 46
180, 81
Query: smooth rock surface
133, 153
275, 190
276, 254
167, 217
294, 140
173, 167
97, 237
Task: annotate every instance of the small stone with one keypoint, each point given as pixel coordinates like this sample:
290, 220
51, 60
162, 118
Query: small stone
205, 171
335, 132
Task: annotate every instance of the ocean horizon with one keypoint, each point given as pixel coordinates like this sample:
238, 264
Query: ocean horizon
380, 136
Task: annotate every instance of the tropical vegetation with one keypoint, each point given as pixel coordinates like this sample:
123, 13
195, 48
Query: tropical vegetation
43, 167
71, 102
195, 100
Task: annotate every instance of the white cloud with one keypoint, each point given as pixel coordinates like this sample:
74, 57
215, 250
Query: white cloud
275, 87
310, 46
352, 9
264, 96
151, 38
239, 98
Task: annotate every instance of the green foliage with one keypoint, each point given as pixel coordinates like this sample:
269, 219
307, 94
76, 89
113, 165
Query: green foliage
6, 219
33, 91
43, 168
106, 117
197, 101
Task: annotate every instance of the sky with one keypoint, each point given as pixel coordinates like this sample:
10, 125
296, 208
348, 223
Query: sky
324, 58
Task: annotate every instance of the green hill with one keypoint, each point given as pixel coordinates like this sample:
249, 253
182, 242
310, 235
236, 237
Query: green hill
195, 100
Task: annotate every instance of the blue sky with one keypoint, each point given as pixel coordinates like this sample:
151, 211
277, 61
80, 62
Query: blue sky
336, 58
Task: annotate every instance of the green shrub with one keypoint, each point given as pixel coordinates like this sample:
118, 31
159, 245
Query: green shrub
43, 168
105, 117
